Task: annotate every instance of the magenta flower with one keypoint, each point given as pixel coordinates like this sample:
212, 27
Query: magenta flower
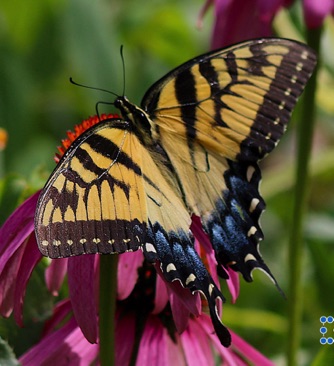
237, 20
158, 344
316, 11
168, 307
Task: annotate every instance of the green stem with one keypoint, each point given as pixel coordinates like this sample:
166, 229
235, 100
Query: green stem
305, 129
107, 308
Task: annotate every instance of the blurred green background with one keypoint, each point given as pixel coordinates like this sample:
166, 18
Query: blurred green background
44, 42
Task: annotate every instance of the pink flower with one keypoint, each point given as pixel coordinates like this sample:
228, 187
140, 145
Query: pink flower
238, 20
159, 343
19, 256
168, 307
316, 11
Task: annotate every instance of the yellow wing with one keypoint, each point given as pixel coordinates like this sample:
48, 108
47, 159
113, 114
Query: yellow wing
100, 196
110, 194
216, 116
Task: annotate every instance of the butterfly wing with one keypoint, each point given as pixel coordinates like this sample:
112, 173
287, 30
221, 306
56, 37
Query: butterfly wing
92, 202
216, 116
109, 194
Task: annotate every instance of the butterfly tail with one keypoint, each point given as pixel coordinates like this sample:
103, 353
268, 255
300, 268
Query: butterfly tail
180, 261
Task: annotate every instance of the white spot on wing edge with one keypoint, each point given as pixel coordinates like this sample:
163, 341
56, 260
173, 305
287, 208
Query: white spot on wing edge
190, 278
150, 248
249, 257
253, 205
252, 231
170, 267
250, 172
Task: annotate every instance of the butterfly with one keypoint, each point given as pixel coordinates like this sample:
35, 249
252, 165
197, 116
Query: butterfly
191, 149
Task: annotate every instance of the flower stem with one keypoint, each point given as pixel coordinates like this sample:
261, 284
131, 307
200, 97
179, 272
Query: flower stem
305, 129
107, 308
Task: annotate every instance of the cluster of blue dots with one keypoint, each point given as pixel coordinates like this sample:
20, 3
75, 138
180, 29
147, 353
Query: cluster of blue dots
323, 329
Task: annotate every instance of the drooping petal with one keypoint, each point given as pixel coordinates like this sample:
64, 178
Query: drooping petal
66, 346
161, 296
173, 349
127, 273
60, 311
125, 331
82, 294
29, 261
8, 280
225, 353
233, 284
180, 312
191, 301
17, 228
196, 346
152, 335
252, 354
55, 274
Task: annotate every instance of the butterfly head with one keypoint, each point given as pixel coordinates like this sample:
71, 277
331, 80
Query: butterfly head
139, 119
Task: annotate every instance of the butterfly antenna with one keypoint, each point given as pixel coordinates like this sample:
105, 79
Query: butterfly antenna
92, 87
123, 65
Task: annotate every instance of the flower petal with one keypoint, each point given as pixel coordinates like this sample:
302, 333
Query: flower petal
253, 355
29, 261
161, 295
316, 11
152, 335
55, 274
191, 301
180, 312
60, 311
233, 284
196, 346
127, 273
17, 228
8, 280
125, 330
238, 20
66, 346
82, 294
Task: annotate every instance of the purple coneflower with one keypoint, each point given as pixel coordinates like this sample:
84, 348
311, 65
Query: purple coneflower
156, 322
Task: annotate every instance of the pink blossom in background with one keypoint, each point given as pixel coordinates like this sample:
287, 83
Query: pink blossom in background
315, 12
238, 20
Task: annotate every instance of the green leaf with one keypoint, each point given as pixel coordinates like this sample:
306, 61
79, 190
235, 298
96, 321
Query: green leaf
7, 356
11, 190
324, 357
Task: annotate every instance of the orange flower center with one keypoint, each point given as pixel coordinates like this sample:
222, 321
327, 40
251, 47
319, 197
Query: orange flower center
78, 131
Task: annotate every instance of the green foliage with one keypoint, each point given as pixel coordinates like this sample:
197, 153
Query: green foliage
7, 356
43, 43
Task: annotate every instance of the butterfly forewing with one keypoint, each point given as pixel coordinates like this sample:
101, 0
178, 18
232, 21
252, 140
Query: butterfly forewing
95, 200
236, 101
217, 116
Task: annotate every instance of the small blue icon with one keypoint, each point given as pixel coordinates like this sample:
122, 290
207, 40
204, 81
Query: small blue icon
323, 340
323, 330
323, 319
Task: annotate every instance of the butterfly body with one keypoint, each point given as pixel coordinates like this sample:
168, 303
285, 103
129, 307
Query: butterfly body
192, 148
